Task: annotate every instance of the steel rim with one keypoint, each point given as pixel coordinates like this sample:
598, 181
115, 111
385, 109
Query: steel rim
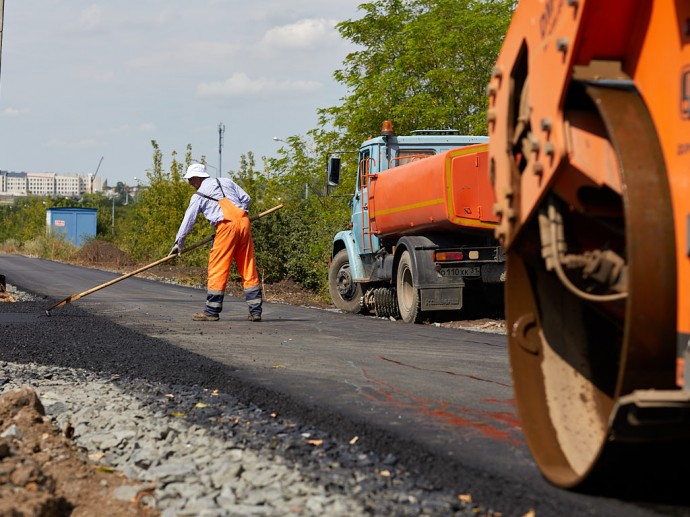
345, 285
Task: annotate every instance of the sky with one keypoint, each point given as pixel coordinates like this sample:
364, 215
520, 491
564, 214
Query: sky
85, 86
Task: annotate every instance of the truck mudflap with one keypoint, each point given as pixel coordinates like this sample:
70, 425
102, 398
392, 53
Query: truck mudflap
441, 299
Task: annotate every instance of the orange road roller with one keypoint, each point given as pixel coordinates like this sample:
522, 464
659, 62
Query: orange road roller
589, 157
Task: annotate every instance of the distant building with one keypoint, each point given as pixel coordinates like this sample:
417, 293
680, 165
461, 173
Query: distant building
15, 183
48, 184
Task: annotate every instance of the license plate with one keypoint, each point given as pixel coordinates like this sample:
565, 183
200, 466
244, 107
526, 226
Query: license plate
454, 272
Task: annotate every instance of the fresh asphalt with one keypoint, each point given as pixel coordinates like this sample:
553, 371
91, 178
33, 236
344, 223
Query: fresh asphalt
439, 399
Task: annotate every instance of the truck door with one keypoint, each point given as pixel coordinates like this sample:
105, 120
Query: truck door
366, 242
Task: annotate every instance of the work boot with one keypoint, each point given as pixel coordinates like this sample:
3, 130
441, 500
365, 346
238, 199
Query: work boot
254, 317
204, 316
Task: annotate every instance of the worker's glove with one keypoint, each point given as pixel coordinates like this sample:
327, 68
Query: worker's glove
175, 250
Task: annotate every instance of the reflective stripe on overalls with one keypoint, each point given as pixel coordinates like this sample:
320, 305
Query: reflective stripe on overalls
233, 240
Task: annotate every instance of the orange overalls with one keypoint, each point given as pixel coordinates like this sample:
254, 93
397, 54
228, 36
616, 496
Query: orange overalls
233, 240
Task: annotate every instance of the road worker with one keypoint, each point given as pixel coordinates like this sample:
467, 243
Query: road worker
224, 204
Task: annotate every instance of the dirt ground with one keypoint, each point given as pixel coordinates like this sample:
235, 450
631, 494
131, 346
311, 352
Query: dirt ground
43, 474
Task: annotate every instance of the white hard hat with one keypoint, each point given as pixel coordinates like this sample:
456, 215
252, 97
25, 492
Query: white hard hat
197, 170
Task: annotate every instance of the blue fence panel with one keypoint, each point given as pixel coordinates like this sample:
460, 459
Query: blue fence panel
74, 224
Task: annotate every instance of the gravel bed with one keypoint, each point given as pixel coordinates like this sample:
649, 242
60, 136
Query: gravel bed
19, 296
207, 453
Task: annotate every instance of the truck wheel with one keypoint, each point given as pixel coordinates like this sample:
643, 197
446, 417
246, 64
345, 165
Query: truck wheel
408, 295
345, 292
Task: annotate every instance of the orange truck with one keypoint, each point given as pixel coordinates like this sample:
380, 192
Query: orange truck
420, 238
589, 127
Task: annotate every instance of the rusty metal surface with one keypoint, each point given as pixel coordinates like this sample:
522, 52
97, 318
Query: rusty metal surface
648, 356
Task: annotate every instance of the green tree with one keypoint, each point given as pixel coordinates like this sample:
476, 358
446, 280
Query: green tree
294, 242
28, 217
155, 218
423, 64
249, 178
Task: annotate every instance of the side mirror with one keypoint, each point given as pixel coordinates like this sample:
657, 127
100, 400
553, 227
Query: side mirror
333, 171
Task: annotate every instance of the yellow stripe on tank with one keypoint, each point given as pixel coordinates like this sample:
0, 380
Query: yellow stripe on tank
404, 208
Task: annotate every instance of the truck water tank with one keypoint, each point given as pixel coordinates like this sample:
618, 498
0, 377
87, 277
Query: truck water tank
74, 224
443, 193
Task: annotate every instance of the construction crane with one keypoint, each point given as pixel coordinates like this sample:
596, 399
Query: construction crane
93, 176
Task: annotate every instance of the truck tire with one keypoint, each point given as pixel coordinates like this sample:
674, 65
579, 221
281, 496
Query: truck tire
345, 292
409, 301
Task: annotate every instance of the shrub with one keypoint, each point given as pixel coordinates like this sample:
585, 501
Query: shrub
49, 247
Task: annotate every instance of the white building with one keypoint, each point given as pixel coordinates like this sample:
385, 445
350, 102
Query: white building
40, 183
65, 186
15, 183
48, 184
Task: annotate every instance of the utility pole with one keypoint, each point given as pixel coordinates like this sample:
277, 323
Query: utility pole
221, 132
